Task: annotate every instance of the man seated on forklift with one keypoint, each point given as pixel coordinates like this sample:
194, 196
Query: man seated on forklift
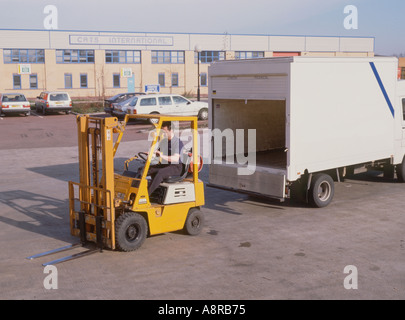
169, 152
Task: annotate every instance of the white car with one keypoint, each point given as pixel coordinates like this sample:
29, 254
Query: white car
14, 103
170, 104
49, 101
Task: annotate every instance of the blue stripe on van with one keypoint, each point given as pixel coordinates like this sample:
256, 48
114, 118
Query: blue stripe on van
387, 98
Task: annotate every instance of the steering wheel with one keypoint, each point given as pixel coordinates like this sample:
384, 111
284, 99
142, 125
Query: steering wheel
144, 156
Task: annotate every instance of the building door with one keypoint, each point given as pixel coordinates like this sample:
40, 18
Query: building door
131, 83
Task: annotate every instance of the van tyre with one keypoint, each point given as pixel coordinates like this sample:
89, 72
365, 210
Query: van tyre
194, 222
400, 168
131, 230
321, 191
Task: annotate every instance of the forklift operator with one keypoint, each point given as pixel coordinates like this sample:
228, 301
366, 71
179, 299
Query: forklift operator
169, 151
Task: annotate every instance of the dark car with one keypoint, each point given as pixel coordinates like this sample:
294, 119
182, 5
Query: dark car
109, 103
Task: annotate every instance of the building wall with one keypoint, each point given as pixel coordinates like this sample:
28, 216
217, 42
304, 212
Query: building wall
51, 74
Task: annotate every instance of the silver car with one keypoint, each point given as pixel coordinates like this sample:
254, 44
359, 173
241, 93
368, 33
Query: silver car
14, 103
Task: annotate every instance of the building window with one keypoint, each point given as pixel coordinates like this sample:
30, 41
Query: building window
203, 79
33, 81
74, 56
24, 55
209, 56
116, 80
175, 57
122, 56
249, 54
175, 79
16, 81
161, 79
83, 80
68, 81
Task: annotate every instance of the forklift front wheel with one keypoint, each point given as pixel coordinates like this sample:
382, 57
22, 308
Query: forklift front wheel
131, 230
194, 222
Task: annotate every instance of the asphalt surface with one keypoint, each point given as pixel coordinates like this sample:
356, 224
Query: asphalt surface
249, 249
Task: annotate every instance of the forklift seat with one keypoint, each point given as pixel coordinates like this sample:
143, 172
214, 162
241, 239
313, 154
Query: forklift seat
187, 156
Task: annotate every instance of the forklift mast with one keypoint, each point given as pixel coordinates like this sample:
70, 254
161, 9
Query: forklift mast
91, 201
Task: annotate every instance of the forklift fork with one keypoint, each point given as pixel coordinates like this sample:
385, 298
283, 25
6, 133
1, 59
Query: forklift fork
67, 258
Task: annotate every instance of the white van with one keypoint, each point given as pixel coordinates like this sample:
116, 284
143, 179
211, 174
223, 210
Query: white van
313, 120
170, 104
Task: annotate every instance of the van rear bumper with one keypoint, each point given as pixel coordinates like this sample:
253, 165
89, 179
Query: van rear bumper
267, 182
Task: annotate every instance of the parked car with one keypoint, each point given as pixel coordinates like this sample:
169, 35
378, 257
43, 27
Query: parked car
49, 101
171, 104
14, 103
110, 102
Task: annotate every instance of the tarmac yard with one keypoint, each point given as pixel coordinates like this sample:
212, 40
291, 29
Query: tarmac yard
249, 249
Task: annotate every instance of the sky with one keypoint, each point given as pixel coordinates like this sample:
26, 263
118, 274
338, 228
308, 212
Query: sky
383, 20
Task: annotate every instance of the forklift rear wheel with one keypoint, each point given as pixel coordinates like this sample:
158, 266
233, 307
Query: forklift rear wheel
131, 230
194, 222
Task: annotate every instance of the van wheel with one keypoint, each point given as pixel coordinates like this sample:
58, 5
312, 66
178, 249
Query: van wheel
203, 114
321, 191
131, 230
194, 222
400, 168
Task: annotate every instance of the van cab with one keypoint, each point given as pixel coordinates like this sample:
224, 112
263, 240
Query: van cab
168, 104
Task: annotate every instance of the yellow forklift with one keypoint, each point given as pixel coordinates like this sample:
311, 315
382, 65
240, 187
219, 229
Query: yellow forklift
113, 210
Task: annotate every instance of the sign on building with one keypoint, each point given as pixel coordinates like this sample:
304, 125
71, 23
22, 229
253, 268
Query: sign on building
152, 88
126, 72
24, 69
